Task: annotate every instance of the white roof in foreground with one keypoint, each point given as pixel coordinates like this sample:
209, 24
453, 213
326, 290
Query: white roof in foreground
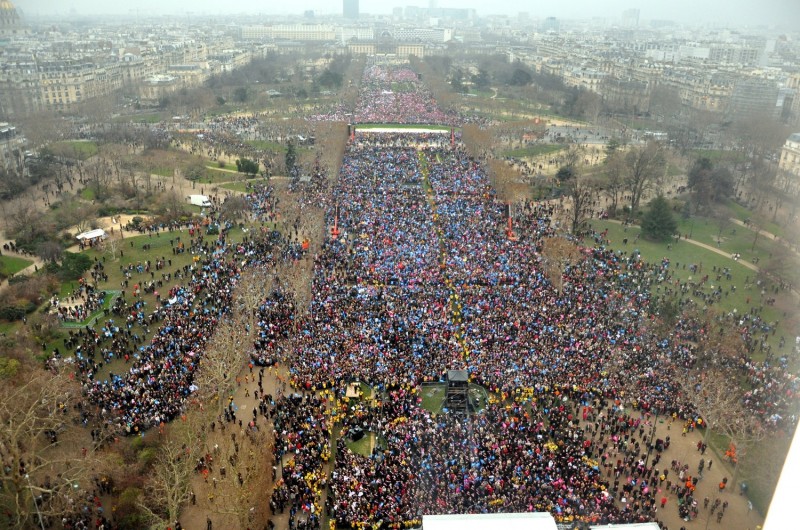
92, 234
783, 508
506, 521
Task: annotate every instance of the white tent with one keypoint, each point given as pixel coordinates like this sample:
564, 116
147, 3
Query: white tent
782, 511
506, 521
97, 233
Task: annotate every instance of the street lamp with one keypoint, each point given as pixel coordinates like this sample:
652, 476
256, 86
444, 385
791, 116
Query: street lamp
30, 489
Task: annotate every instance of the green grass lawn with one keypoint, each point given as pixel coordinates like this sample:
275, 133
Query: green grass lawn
534, 150
92, 319
362, 446
162, 171
227, 165
80, 149
732, 238
10, 265
242, 185
266, 146
218, 176
433, 396
684, 254
9, 327
742, 213
674, 171
719, 155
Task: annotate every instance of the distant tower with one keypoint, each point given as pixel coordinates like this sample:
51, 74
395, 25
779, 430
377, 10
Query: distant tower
550, 24
630, 18
10, 23
350, 9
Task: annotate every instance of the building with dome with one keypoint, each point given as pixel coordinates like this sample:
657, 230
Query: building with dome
10, 22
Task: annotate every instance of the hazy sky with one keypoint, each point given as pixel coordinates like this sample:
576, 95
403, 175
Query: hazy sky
738, 12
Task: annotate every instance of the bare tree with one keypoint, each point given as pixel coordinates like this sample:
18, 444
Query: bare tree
224, 358
558, 253
32, 418
614, 183
233, 208
168, 486
644, 166
477, 140
49, 251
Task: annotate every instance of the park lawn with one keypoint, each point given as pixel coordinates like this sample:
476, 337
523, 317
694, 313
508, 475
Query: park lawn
211, 164
265, 145
11, 265
162, 171
366, 391
160, 246
741, 213
7, 327
242, 185
362, 446
148, 118
92, 319
216, 175
79, 149
433, 397
759, 495
719, 155
402, 86
534, 150
87, 193
733, 239
684, 254
674, 171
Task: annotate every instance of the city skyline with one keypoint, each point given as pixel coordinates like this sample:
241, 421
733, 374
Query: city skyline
784, 13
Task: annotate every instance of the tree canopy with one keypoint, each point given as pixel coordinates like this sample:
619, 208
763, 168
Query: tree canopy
709, 183
658, 223
245, 165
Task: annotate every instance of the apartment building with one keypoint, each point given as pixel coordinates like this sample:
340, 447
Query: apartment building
789, 165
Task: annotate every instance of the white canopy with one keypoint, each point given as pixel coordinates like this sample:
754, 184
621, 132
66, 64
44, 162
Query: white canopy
506, 521
783, 508
92, 234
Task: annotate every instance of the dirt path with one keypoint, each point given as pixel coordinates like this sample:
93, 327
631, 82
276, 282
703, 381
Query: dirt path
210, 493
737, 516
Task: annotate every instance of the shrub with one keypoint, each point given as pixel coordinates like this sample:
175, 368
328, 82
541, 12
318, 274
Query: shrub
73, 266
8, 367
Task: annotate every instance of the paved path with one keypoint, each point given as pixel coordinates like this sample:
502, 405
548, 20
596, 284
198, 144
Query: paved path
37, 264
709, 247
747, 264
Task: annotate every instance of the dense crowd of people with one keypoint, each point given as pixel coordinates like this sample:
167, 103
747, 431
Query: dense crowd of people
392, 94
422, 279
418, 278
